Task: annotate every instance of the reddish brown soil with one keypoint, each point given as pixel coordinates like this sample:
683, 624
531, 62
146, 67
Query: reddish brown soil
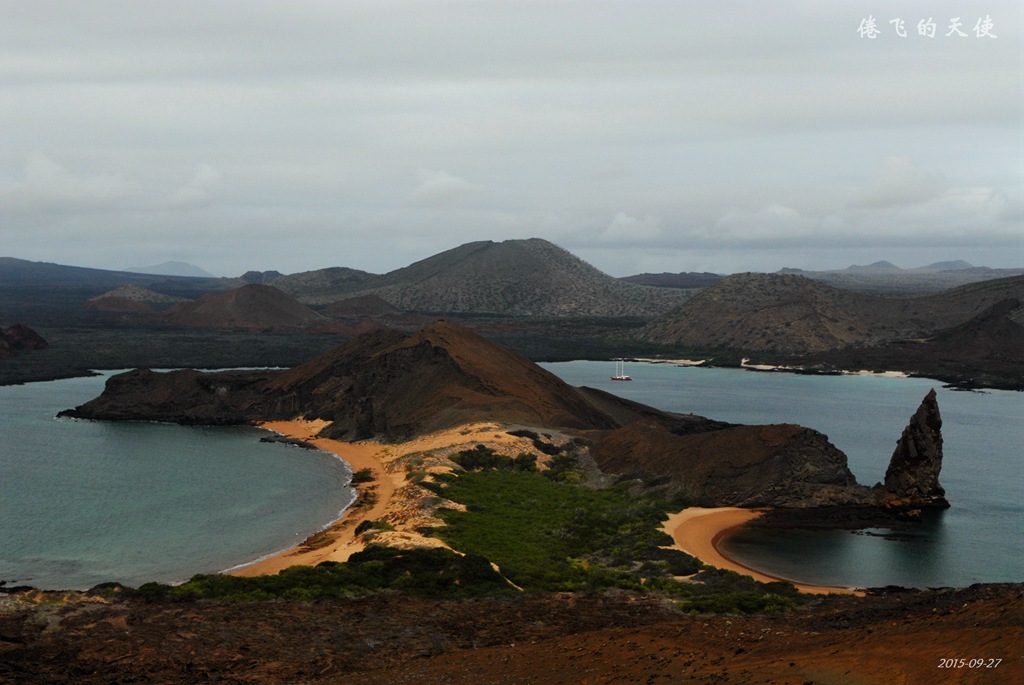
896, 638
251, 307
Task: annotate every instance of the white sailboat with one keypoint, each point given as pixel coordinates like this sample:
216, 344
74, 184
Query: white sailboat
620, 371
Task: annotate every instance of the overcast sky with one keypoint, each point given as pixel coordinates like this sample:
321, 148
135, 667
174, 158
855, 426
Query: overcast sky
642, 136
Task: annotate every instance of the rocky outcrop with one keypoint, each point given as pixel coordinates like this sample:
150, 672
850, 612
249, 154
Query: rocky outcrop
781, 465
19, 338
912, 479
776, 465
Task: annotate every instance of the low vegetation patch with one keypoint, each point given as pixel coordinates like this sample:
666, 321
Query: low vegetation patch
435, 572
483, 457
549, 535
363, 476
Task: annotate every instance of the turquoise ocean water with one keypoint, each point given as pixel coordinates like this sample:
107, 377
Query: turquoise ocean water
83, 502
979, 539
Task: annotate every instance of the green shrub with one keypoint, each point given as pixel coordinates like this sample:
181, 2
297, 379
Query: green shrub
435, 572
548, 535
482, 457
363, 476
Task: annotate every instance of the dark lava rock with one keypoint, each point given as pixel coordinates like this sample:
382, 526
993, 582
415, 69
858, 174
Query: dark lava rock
912, 479
777, 465
19, 338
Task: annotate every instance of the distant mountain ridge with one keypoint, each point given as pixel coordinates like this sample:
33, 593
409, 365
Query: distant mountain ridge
172, 269
987, 350
885, 278
22, 272
671, 280
516, 278
764, 312
794, 314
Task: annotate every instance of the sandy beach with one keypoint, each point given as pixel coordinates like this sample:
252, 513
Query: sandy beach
389, 496
697, 531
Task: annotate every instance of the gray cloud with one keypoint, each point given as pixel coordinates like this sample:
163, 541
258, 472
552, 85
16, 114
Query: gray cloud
900, 182
666, 133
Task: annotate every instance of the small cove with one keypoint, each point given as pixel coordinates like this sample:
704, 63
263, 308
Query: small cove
86, 502
978, 539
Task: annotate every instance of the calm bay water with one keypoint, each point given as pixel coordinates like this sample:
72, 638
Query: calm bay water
84, 502
979, 539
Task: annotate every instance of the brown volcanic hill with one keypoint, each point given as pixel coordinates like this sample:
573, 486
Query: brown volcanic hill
395, 386
792, 314
19, 338
994, 332
130, 298
254, 307
988, 347
515, 277
765, 312
361, 306
118, 305
383, 384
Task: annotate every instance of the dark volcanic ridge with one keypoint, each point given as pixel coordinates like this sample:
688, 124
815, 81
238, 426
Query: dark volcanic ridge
984, 351
393, 387
791, 314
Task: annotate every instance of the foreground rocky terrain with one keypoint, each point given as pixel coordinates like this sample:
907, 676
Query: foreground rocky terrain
902, 638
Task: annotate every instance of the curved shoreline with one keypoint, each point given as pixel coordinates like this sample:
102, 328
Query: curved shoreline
337, 541
695, 531
375, 500
698, 531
